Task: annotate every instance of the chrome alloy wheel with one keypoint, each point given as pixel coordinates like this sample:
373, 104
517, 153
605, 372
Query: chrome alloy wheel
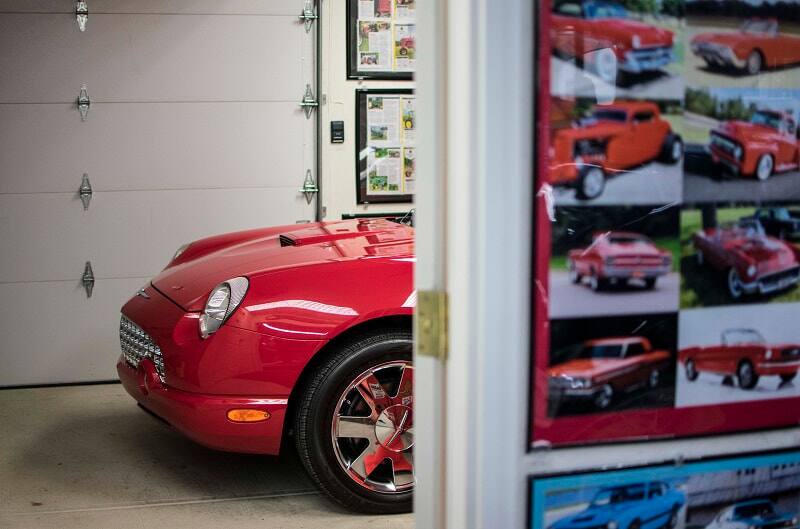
764, 168
373, 428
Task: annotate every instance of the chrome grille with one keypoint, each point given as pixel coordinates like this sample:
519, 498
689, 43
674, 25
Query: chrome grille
137, 345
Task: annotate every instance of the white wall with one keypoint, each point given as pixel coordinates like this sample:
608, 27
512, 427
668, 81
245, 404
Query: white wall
338, 160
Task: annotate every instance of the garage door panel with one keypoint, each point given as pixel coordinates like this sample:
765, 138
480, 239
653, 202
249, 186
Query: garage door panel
127, 234
69, 337
152, 146
241, 7
151, 58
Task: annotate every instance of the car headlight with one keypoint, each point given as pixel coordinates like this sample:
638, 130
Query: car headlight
737, 152
751, 270
612, 525
221, 303
768, 354
794, 521
179, 251
636, 41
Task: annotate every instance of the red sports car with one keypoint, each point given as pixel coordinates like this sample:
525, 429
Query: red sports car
601, 35
767, 143
613, 139
753, 261
618, 257
607, 367
756, 45
745, 354
304, 331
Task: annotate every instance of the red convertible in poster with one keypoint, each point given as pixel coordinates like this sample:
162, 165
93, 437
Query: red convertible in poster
618, 258
296, 333
753, 262
767, 143
756, 45
613, 139
620, 44
745, 354
607, 367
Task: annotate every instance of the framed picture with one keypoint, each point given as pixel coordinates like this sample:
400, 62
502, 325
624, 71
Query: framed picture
381, 37
385, 146
666, 251
724, 493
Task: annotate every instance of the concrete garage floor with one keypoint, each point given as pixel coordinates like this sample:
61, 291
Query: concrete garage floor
87, 456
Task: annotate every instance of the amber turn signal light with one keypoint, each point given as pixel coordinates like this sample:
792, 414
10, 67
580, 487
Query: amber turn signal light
247, 415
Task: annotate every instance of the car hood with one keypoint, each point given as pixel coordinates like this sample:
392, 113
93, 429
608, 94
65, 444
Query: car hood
765, 519
592, 516
763, 250
189, 283
589, 367
730, 39
624, 29
632, 249
744, 131
593, 129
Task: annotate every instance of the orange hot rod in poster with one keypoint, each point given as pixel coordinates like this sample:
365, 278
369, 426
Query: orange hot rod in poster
618, 257
766, 144
613, 139
607, 367
756, 45
745, 354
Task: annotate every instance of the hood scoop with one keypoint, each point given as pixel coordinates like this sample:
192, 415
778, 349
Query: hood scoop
286, 240
317, 235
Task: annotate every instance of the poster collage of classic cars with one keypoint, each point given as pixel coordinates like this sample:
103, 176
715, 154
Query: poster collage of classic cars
672, 281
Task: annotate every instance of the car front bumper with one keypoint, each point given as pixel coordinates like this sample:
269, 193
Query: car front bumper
203, 418
774, 282
646, 60
775, 368
721, 56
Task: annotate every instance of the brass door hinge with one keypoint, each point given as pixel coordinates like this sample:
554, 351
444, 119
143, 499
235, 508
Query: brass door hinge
432, 317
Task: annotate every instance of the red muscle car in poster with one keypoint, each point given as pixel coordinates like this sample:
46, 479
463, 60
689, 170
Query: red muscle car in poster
766, 144
607, 367
580, 27
744, 354
752, 261
613, 139
618, 257
756, 45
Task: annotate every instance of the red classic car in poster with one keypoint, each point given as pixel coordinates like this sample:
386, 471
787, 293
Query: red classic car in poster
613, 139
756, 45
744, 354
618, 258
767, 143
752, 261
606, 368
248, 339
624, 45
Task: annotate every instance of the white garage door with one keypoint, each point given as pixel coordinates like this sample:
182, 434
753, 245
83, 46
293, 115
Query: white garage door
193, 129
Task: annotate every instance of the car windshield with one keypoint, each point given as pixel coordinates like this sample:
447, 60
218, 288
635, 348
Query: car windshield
754, 510
749, 228
768, 119
604, 10
742, 336
782, 214
609, 114
619, 495
602, 351
760, 26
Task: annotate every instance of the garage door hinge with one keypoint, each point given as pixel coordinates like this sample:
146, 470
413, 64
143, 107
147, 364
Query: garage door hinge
432, 317
310, 187
308, 16
81, 14
85, 191
88, 279
84, 102
309, 102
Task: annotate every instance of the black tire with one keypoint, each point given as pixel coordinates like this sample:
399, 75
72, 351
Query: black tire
650, 283
788, 378
636, 524
591, 182
672, 149
673, 517
596, 283
604, 399
574, 276
746, 375
768, 163
755, 63
691, 370
317, 405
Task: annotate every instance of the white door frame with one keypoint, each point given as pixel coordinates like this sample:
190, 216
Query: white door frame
474, 206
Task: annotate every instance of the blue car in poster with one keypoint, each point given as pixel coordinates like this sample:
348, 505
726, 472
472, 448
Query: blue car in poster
636, 506
754, 514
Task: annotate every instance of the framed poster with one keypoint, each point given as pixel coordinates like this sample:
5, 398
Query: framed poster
385, 146
727, 493
381, 39
667, 220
